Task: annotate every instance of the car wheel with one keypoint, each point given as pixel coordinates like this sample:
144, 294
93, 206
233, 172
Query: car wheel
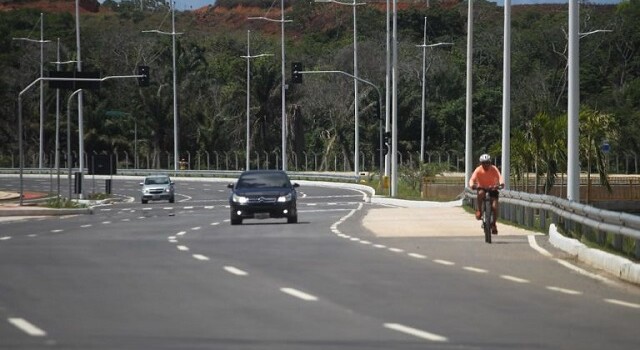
292, 219
144, 201
236, 221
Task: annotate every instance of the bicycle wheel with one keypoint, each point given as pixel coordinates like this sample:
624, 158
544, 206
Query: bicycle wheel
486, 220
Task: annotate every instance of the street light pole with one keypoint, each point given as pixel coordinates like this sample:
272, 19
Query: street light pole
248, 57
356, 151
282, 21
424, 59
173, 34
41, 42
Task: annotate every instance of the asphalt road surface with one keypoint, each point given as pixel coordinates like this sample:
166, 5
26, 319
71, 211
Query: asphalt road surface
179, 276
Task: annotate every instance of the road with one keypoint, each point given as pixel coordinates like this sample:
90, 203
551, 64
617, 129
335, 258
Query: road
179, 276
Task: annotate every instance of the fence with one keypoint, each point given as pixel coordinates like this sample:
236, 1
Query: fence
610, 229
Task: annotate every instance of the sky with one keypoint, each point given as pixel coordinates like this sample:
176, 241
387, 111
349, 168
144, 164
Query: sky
192, 4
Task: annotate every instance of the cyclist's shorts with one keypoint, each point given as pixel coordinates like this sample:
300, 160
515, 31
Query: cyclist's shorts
494, 194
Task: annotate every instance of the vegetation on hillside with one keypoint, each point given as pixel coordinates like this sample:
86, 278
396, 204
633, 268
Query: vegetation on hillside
211, 81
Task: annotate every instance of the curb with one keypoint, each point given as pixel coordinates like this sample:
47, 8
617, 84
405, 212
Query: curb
623, 268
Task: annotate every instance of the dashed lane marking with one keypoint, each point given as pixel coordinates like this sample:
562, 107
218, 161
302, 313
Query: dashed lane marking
416, 332
564, 290
298, 294
200, 257
514, 279
475, 269
27, 327
236, 271
444, 262
623, 303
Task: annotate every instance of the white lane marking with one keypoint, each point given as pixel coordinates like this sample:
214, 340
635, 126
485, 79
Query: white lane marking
126, 220
475, 269
168, 208
208, 207
27, 327
236, 271
215, 223
147, 208
183, 248
584, 272
187, 208
396, 250
514, 279
171, 237
379, 246
196, 228
355, 239
298, 294
87, 225
5, 238
365, 242
535, 246
56, 231
416, 332
417, 256
181, 233
623, 303
200, 257
564, 290
32, 235
106, 222
444, 262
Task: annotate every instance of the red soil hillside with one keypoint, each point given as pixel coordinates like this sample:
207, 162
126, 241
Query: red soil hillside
86, 6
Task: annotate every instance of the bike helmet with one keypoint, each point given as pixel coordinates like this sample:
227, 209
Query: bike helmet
485, 158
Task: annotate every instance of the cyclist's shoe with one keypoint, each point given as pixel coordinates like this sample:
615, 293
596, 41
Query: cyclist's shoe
494, 229
478, 215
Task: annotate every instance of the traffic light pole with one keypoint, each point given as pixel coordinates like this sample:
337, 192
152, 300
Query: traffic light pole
357, 175
20, 131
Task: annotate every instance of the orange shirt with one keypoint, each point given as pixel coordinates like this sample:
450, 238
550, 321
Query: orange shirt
486, 178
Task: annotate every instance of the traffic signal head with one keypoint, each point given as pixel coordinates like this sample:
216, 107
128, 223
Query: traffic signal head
296, 76
144, 71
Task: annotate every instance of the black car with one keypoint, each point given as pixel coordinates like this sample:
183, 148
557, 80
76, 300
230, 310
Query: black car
263, 194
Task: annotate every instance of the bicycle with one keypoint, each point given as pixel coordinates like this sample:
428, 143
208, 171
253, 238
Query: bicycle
487, 211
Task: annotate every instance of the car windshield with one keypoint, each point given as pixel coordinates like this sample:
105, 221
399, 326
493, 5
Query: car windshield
156, 181
260, 180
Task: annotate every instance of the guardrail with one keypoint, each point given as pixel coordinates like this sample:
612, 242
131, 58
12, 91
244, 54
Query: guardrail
617, 230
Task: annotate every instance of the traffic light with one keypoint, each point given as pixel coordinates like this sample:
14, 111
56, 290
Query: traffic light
387, 142
143, 81
296, 76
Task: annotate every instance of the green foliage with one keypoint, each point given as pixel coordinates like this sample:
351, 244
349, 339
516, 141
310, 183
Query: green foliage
211, 80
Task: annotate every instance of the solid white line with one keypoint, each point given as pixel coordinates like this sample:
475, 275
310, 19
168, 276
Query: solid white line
183, 248
564, 290
27, 327
475, 269
623, 303
535, 246
444, 262
417, 256
416, 332
200, 257
583, 272
235, 271
514, 279
298, 294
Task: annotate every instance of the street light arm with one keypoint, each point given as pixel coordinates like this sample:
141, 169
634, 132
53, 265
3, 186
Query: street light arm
271, 19
256, 56
31, 40
582, 35
340, 2
161, 32
435, 45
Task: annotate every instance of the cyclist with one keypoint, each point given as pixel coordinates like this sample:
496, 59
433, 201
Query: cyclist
487, 176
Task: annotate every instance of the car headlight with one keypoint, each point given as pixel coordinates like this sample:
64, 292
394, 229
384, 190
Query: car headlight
145, 191
167, 189
285, 198
239, 199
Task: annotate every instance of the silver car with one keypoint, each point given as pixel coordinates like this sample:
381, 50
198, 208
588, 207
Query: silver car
156, 188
